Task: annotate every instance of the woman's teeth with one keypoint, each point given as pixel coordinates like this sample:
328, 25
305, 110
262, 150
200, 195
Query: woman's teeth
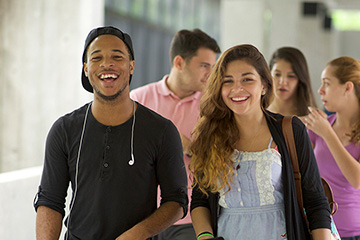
238, 99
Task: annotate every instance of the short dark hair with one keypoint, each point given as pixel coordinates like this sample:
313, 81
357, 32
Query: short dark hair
185, 43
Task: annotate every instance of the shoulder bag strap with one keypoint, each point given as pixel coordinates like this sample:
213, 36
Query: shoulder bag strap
290, 144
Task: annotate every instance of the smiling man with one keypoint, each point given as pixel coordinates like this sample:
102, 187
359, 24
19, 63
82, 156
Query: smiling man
115, 153
177, 97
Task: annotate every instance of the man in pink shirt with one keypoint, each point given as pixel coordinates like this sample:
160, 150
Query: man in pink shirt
177, 97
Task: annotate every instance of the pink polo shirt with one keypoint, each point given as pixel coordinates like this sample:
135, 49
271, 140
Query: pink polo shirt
184, 113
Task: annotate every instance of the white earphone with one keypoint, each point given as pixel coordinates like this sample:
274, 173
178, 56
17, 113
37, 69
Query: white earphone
131, 161
77, 170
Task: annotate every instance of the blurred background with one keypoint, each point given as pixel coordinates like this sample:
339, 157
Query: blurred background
41, 46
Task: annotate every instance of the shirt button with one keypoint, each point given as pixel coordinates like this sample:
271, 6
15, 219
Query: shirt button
106, 165
241, 203
107, 147
239, 190
108, 129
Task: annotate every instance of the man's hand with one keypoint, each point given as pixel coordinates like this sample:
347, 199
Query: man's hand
185, 144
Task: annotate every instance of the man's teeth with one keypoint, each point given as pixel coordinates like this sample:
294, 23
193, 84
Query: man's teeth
239, 98
104, 76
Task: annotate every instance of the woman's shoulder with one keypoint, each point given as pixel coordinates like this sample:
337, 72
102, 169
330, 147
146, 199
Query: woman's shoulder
277, 117
273, 116
275, 121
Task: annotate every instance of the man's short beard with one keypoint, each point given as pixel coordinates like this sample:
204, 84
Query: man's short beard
112, 97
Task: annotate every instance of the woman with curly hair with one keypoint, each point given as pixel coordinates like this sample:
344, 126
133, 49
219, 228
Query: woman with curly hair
244, 186
336, 140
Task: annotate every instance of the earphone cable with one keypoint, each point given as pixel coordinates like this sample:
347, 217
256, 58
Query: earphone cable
77, 170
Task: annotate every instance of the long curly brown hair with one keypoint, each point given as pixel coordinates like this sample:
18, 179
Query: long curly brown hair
216, 132
347, 69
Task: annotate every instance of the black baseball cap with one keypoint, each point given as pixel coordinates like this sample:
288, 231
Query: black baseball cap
102, 31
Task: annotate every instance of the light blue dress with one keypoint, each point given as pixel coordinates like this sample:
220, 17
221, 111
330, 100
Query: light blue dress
254, 207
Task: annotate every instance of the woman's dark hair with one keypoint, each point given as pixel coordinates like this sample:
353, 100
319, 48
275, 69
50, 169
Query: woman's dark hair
304, 93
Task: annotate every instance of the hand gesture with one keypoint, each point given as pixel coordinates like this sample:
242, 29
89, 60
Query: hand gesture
316, 121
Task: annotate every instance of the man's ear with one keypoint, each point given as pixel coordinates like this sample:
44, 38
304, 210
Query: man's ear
85, 69
132, 66
178, 62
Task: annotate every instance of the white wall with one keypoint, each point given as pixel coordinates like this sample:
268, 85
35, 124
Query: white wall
349, 44
17, 218
242, 22
41, 48
41, 45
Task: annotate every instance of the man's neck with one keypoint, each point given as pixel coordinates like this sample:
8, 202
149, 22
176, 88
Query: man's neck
113, 113
173, 84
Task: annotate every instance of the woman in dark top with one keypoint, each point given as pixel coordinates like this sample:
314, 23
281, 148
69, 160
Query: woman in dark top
243, 180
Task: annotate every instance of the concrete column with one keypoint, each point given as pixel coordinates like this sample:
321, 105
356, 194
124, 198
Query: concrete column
41, 46
242, 21
283, 30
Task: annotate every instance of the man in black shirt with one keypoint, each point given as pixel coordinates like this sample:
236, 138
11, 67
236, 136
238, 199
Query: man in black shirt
115, 153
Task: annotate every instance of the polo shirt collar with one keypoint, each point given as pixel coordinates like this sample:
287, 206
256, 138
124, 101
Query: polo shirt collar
165, 91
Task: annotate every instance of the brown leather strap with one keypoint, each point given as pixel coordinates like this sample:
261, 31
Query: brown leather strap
329, 194
290, 143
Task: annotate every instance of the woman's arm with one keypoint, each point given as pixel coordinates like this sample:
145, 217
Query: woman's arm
321, 234
348, 165
201, 213
200, 217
